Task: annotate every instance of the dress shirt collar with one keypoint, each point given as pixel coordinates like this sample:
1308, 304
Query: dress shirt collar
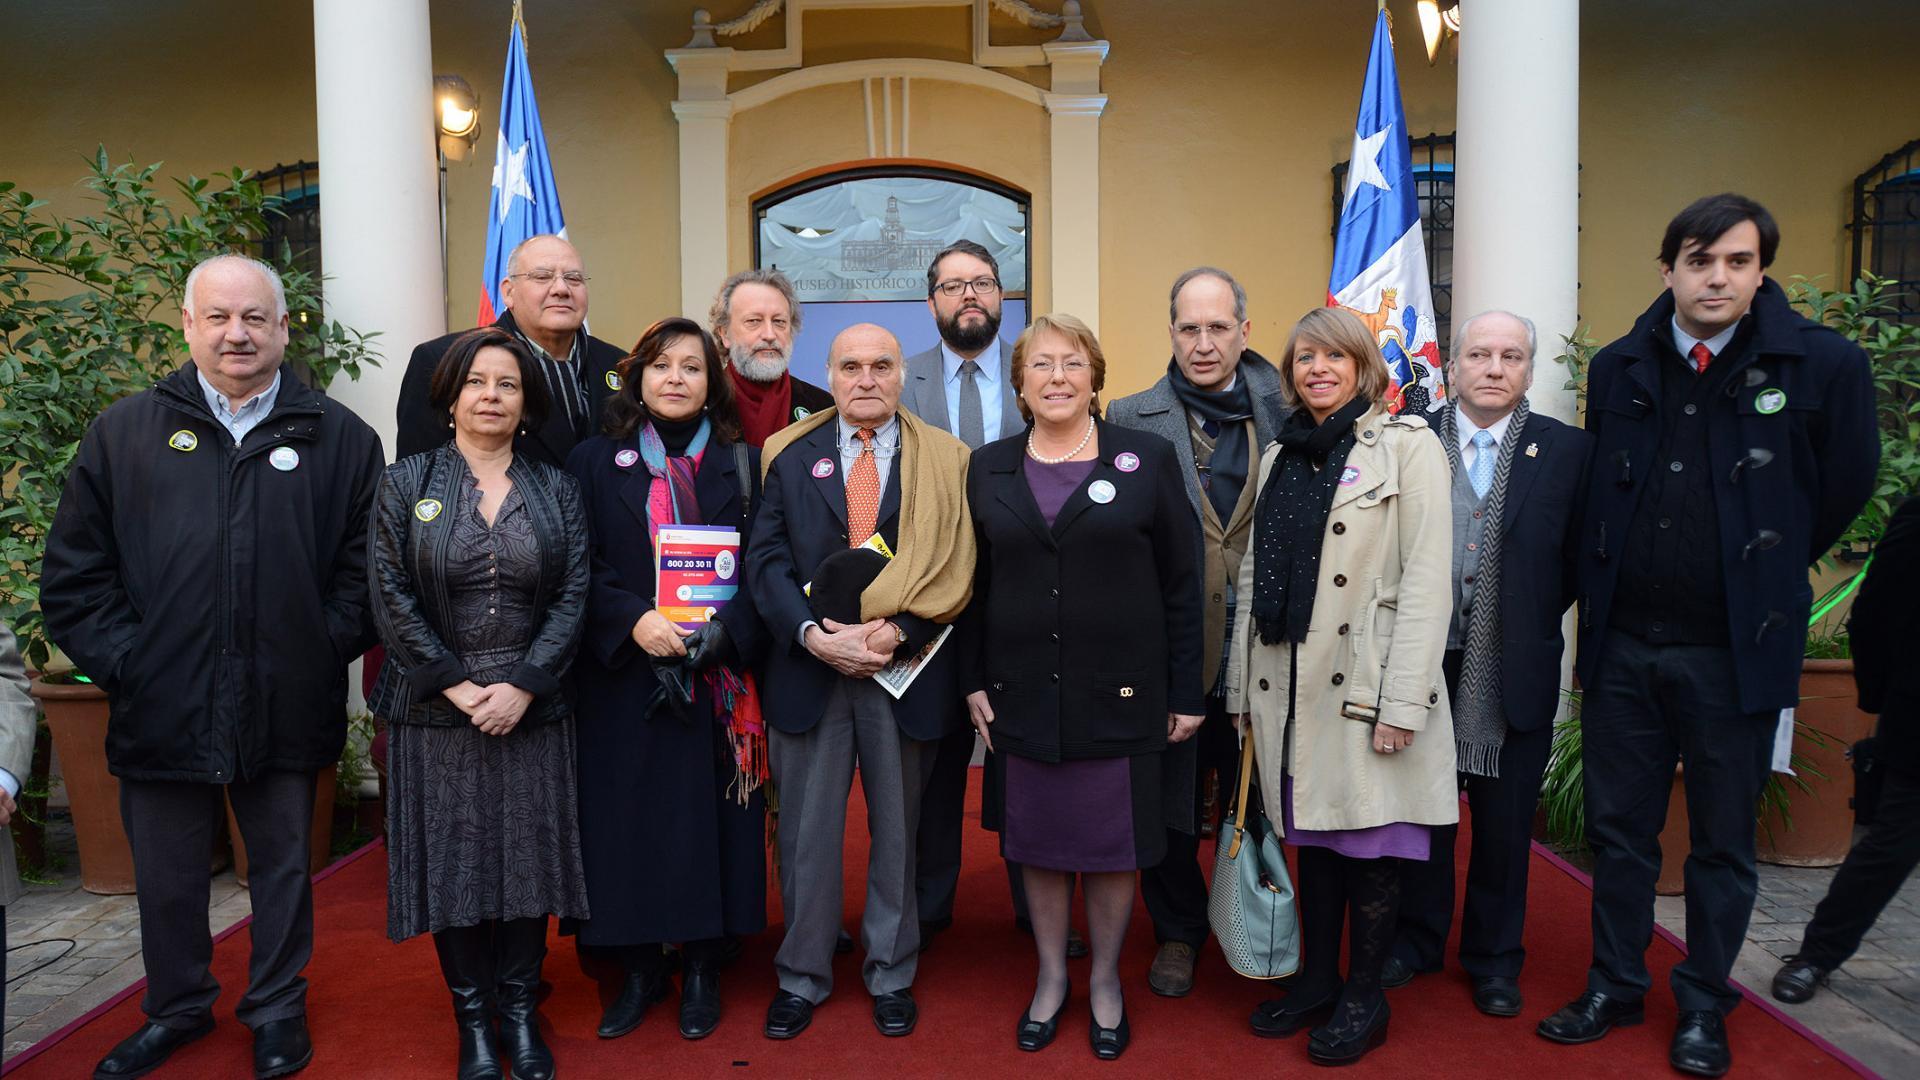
1685, 342
989, 361
1464, 428
251, 411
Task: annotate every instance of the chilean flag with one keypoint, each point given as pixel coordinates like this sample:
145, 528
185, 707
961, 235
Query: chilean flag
525, 200
1379, 257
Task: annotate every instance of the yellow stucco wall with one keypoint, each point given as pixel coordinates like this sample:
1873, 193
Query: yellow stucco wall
1225, 117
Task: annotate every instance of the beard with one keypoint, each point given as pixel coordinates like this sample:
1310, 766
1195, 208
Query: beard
969, 338
755, 368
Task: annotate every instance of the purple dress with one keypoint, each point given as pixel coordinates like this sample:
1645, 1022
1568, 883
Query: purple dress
1075, 816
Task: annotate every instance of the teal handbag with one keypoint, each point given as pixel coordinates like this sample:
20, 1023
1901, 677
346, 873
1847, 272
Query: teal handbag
1252, 907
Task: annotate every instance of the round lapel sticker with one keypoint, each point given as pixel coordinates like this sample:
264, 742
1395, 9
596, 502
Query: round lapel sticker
1350, 476
1100, 491
822, 469
1770, 401
284, 458
1127, 462
428, 509
183, 440
613, 381
801, 412
626, 458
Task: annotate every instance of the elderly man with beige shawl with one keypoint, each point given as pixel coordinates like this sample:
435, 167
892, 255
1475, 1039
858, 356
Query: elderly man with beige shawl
834, 481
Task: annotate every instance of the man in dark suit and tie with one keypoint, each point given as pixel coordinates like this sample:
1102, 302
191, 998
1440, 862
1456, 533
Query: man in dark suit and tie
834, 480
961, 387
545, 293
1516, 476
1219, 405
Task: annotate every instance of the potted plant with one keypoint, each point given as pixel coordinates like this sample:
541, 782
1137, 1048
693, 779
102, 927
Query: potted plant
86, 310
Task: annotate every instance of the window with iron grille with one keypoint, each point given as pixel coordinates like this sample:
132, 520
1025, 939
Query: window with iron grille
296, 222
1433, 186
1886, 224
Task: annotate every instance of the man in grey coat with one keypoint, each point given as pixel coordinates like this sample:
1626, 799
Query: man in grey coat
1218, 404
960, 386
18, 719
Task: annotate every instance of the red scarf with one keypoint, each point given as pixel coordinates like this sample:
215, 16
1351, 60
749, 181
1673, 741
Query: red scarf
764, 407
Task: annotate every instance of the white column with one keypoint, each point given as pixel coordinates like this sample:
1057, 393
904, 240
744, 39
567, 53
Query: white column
379, 199
1074, 106
705, 114
1516, 218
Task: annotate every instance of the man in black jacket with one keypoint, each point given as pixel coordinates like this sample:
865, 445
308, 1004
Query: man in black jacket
1884, 630
545, 292
1734, 441
1516, 475
208, 568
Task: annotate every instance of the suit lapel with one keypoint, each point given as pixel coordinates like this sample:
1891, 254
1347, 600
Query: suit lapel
890, 494
1011, 488
635, 483
717, 483
818, 445
932, 395
1166, 417
1524, 468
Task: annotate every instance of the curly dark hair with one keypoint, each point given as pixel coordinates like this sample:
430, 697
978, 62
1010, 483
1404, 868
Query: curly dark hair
627, 410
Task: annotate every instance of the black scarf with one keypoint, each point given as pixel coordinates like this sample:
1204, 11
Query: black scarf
1291, 519
1228, 411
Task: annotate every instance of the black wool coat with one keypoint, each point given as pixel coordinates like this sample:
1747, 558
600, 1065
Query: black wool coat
670, 855
216, 592
1792, 448
1885, 632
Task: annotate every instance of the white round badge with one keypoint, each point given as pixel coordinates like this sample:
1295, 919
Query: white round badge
823, 468
724, 565
626, 458
1127, 462
284, 458
1100, 491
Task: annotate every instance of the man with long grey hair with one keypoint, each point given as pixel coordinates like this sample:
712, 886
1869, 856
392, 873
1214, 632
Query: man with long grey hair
755, 316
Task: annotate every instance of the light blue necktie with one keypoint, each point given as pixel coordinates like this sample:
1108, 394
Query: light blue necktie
1480, 474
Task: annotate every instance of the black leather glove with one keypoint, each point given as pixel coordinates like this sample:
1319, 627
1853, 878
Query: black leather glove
710, 646
673, 689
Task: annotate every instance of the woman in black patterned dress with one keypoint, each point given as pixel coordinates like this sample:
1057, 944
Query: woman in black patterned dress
479, 571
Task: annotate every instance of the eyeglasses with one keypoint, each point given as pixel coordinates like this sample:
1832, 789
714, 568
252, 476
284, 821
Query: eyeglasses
1073, 366
981, 286
573, 278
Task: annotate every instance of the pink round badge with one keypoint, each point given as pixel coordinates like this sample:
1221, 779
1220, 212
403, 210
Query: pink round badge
626, 458
1350, 476
823, 468
1127, 462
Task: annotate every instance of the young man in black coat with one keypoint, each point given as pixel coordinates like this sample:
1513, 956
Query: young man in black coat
1884, 630
545, 293
1734, 442
208, 568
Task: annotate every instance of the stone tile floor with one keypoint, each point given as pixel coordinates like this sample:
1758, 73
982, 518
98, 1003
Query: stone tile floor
1871, 1009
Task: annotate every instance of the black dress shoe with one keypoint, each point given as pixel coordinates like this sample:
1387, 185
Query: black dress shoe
1798, 980
1496, 995
1034, 1035
146, 1050
640, 990
1352, 1033
1109, 1043
787, 1016
1590, 1016
281, 1047
699, 1001
1281, 1018
1395, 973
1700, 1044
842, 944
894, 1012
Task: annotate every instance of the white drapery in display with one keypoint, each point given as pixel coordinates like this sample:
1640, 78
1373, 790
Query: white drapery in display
876, 235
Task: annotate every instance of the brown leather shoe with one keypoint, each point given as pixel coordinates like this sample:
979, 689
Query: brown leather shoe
1172, 972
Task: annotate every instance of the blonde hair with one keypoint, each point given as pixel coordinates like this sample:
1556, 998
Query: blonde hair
1341, 330
1073, 330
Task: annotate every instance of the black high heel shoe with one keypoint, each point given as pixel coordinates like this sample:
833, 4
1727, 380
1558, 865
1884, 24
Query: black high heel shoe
1034, 1035
1109, 1043
1345, 1040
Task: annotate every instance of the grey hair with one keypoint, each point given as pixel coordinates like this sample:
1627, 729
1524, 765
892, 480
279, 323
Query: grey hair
722, 311
268, 272
513, 257
1239, 294
1533, 334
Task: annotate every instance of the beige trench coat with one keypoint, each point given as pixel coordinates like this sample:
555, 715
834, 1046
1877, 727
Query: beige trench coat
1373, 649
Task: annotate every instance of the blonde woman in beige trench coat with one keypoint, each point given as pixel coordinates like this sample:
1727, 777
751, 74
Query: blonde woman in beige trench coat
1337, 669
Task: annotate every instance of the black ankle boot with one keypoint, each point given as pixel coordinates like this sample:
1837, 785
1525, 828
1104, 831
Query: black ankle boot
466, 961
519, 947
700, 998
646, 983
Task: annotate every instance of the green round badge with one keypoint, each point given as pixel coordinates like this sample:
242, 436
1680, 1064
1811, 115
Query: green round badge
428, 509
801, 412
183, 440
1770, 401
613, 381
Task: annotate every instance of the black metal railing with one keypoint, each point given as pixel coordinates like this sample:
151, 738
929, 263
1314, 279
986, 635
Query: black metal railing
1886, 224
296, 220
1433, 186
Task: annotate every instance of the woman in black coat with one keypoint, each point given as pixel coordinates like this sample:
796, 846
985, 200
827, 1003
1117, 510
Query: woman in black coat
1085, 640
672, 818
478, 563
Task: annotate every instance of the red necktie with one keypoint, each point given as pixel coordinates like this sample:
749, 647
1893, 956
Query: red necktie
1702, 356
863, 492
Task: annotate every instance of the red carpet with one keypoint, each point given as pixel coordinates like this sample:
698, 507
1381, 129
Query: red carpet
381, 1010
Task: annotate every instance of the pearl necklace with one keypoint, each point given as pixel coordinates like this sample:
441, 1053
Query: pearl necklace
1068, 456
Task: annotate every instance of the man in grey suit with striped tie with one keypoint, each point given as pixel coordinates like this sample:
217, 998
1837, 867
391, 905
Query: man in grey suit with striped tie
961, 386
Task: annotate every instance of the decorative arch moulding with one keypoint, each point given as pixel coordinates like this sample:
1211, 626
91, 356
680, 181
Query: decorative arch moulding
803, 181
708, 34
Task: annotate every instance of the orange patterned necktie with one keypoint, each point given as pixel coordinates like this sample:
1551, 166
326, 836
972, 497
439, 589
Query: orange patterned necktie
1702, 356
863, 492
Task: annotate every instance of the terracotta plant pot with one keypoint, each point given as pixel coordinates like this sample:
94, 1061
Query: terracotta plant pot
1822, 829
322, 846
77, 716
1675, 839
